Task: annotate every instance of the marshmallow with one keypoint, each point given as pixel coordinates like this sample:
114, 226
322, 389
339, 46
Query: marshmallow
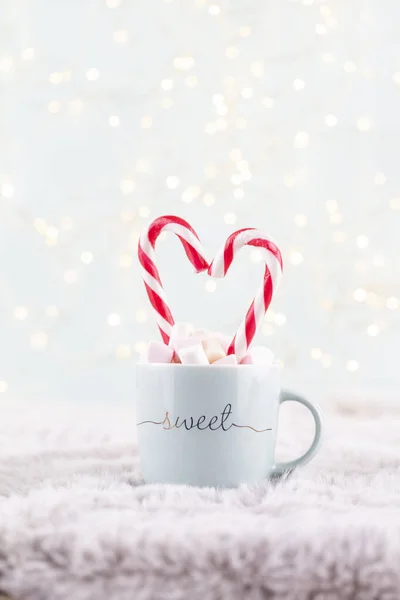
193, 355
178, 344
227, 360
180, 331
247, 360
213, 349
224, 340
259, 355
200, 333
157, 352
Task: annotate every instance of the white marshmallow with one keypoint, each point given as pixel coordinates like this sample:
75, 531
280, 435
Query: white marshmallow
193, 355
224, 340
259, 355
178, 344
157, 352
180, 331
213, 349
200, 333
227, 360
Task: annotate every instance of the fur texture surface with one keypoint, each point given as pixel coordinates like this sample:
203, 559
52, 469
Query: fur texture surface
77, 523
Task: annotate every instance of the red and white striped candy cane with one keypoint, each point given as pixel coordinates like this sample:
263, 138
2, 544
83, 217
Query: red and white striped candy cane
150, 274
273, 271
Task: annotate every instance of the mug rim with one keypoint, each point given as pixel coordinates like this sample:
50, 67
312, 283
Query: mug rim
275, 366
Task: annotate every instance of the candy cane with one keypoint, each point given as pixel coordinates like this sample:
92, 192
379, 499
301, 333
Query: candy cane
150, 274
273, 271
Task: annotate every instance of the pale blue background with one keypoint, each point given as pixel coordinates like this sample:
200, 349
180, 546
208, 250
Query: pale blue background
71, 163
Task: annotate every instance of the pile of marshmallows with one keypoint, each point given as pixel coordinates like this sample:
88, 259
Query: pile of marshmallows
189, 346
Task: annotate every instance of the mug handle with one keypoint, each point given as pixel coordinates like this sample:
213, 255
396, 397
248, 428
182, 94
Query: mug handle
284, 467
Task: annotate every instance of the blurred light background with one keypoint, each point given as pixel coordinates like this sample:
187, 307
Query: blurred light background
278, 114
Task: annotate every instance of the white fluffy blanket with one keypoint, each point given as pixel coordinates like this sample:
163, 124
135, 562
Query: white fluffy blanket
76, 523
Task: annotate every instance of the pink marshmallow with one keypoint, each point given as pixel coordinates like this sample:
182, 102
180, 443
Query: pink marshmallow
157, 352
227, 360
247, 360
193, 355
180, 331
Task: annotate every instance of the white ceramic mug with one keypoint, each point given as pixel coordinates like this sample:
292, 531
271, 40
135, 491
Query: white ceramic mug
212, 425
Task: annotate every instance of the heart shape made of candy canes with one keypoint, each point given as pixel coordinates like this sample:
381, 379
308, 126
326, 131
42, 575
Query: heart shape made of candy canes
217, 268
